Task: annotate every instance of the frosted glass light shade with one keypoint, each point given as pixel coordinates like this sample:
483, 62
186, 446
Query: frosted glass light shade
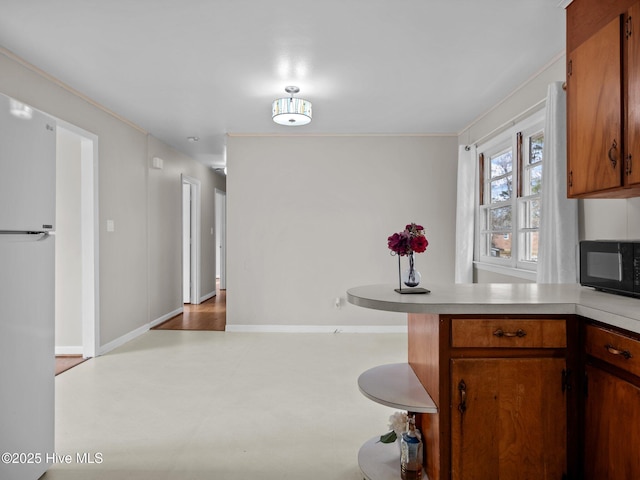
291, 111
20, 110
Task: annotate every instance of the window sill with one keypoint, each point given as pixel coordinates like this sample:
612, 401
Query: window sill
510, 271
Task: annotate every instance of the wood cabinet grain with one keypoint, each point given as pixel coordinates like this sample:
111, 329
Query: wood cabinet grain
505, 333
614, 348
612, 420
611, 405
508, 419
603, 99
632, 89
499, 383
594, 106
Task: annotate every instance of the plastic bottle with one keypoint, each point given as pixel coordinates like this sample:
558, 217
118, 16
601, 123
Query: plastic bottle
411, 453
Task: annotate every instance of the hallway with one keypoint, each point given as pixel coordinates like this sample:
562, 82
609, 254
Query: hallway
210, 315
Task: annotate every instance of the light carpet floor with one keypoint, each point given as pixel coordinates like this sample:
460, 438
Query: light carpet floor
185, 405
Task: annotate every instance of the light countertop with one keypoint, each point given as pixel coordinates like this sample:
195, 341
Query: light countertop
504, 298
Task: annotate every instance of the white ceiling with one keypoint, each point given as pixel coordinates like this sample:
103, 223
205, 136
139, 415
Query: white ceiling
206, 68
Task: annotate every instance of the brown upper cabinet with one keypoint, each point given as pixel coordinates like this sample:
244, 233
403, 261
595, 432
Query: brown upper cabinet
603, 99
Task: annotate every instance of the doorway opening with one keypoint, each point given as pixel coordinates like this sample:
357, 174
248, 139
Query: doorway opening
190, 240
76, 319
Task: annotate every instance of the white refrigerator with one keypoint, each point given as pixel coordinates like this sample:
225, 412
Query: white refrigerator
27, 283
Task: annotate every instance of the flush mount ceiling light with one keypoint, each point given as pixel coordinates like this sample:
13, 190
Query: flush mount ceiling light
20, 110
291, 111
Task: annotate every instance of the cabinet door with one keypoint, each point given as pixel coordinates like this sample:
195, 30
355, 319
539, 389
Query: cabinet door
632, 145
594, 113
508, 419
612, 427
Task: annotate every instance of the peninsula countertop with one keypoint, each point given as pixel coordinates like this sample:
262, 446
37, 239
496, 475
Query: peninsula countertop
504, 298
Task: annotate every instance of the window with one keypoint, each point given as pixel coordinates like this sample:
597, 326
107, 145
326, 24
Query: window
509, 203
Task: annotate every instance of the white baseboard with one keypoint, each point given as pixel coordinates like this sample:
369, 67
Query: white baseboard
208, 296
164, 318
69, 350
137, 332
123, 339
317, 328
261, 329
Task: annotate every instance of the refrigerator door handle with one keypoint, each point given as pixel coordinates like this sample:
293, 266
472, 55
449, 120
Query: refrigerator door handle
11, 236
45, 235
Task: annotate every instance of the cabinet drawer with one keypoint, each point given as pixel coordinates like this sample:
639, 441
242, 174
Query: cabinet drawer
613, 348
508, 333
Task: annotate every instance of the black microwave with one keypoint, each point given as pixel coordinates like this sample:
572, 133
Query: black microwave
611, 266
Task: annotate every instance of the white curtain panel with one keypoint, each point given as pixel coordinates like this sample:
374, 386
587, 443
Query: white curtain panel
465, 212
558, 241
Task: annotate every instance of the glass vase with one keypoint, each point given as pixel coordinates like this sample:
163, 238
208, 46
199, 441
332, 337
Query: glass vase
411, 277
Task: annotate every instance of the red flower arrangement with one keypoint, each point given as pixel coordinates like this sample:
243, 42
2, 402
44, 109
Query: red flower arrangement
410, 240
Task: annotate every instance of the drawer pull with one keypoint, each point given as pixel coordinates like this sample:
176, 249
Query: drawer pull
614, 351
518, 333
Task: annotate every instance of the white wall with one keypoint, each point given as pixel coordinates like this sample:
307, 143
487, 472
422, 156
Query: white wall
612, 219
68, 335
309, 217
131, 261
525, 99
516, 103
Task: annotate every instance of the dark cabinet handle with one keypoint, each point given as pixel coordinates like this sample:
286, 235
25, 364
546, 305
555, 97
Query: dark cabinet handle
612, 154
462, 389
518, 333
614, 351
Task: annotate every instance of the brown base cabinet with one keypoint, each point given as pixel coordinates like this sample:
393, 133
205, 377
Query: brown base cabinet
508, 418
509, 397
502, 389
612, 405
514, 396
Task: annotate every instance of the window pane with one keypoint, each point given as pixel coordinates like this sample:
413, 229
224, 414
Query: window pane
501, 189
529, 247
536, 142
509, 211
500, 218
530, 212
501, 245
501, 164
534, 179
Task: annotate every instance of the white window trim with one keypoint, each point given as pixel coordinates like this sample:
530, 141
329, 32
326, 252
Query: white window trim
510, 271
512, 267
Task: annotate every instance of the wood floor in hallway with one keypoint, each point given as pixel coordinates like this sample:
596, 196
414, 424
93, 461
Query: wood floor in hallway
209, 315
65, 362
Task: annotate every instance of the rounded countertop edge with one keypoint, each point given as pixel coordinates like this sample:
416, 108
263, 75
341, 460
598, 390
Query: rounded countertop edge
464, 299
504, 299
